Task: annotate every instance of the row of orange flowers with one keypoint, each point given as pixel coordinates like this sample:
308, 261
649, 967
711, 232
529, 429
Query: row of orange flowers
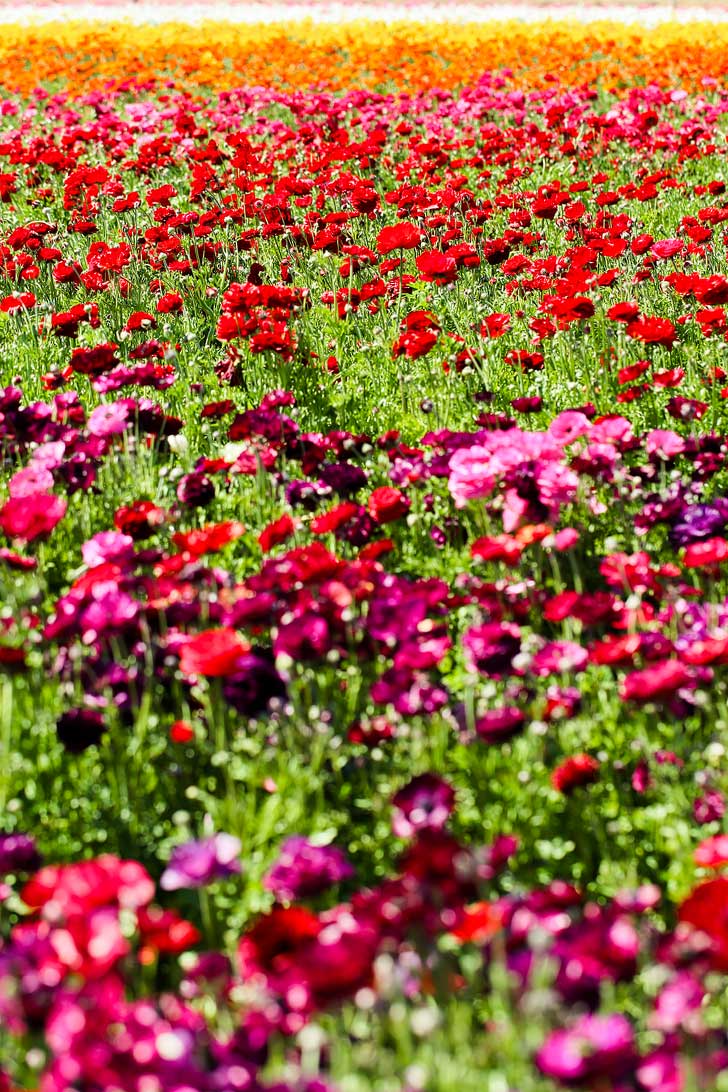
80, 55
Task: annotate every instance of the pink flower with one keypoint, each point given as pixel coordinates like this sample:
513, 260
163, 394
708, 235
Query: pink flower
107, 546
664, 442
565, 539
30, 480
594, 1047
559, 657
108, 420
569, 426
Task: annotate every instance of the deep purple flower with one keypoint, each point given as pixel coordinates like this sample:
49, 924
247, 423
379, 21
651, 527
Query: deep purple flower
78, 729
425, 803
18, 853
306, 637
197, 863
254, 684
195, 490
304, 869
343, 478
699, 521
306, 494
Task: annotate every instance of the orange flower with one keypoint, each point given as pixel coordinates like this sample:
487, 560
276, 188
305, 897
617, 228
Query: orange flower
82, 56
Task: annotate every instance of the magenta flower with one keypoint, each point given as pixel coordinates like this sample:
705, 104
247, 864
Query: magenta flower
593, 1047
304, 869
18, 853
107, 546
198, 863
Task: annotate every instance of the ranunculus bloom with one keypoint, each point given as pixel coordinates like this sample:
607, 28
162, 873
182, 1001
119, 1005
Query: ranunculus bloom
387, 504
706, 909
403, 236
87, 885
213, 653
18, 853
436, 267
304, 869
29, 518
498, 725
655, 683
198, 863
574, 771
594, 1048
425, 803
210, 539
712, 852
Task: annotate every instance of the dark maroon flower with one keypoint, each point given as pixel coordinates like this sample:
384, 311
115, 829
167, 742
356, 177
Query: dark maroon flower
425, 803
78, 729
18, 853
498, 725
195, 490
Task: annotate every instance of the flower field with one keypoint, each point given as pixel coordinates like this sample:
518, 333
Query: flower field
363, 558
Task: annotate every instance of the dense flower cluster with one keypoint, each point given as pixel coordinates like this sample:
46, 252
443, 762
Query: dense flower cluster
363, 543
347, 54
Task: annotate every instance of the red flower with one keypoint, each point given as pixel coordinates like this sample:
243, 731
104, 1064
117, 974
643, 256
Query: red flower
170, 304
181, 732
139, 519
276, 533
213, 653
706, 909
623, 312
335, 518
387, 504
94, 361
165, 931
436, 267
710, 552
404, 236
139, 320
652, 331
495, 325
208, 540
577, 770
28, 518
478, 923
660, 681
